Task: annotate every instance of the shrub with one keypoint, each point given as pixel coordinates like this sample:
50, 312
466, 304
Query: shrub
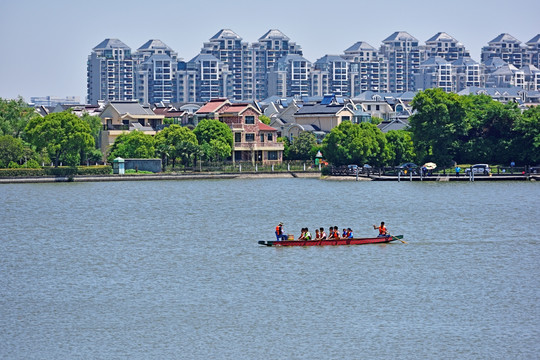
60, 171
21, 172
32, 164
94, 170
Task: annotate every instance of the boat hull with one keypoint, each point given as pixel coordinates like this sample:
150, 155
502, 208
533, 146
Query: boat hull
333, 242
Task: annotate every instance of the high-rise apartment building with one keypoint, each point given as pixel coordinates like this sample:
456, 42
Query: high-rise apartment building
270, 47
533, 51
435, 72
155, 72
110, 69
446, 47
368, 70
229, 48
403, 54
290, 77
467, 73
506, 47
203, 78
330, 75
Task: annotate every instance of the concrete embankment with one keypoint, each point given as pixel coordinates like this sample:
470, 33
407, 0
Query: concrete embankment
150, 177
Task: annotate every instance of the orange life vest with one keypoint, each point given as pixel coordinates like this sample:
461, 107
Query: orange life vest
278, 230
382, 230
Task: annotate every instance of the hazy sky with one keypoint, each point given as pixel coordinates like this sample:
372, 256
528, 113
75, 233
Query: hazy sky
45, 44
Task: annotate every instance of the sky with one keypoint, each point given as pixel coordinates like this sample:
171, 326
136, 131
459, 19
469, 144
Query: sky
45, 44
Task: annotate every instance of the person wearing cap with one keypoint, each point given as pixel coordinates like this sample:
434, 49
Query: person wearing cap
279, 232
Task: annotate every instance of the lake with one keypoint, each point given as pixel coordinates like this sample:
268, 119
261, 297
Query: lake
172, 270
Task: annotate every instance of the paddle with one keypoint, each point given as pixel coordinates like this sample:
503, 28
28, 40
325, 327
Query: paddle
394, 237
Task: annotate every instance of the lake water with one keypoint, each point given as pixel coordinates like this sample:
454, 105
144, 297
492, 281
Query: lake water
172, 270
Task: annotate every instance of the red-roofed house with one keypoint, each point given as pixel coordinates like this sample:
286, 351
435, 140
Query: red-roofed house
253, 140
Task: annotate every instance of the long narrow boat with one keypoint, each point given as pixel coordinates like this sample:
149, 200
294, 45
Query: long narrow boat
353, 241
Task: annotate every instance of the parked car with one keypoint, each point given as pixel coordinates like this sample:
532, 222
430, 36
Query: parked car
410, 167
535, 169
478, 169
353, 169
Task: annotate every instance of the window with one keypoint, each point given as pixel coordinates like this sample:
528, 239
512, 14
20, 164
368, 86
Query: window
250, 119
345, 118
250, 137
262, 137
270, 137
272, 155
237, 137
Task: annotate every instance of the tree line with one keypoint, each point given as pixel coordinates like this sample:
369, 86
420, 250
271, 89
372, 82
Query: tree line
445, 128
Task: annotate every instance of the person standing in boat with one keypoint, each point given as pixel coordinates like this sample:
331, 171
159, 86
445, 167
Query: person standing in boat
382, 229
279, 232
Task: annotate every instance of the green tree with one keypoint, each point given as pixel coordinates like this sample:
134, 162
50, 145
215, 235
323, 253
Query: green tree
286, 146
14, 116
171, 143
490, 134
11, 150
438, 124
355, 144
526, 143
63, 134
135, 144
400, 147
95, 125
302, 145
208, 130
265, 119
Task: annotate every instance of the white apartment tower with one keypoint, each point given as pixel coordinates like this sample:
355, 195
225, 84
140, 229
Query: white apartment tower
368, 70
403, 55
110, 69
228, 47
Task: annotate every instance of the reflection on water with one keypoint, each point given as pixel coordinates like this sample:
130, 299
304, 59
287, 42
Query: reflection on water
172, 269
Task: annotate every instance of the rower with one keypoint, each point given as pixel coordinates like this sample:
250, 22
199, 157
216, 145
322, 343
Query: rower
382, 229
279, 232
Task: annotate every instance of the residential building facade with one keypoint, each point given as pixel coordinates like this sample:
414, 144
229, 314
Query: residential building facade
228, 67
254, 141
110, 69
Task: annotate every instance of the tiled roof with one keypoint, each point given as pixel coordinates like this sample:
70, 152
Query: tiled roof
273, 34
441, 36
154, 44
534, 40
203, 57
211, 106
400, 36
506, 38
111, 44
225, 34
311, 109
434, 60
330, 58
360, 46
158, 57
130, 107
264, 127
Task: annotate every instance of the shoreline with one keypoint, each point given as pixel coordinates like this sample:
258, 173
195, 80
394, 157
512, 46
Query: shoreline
247, 175
159, 176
